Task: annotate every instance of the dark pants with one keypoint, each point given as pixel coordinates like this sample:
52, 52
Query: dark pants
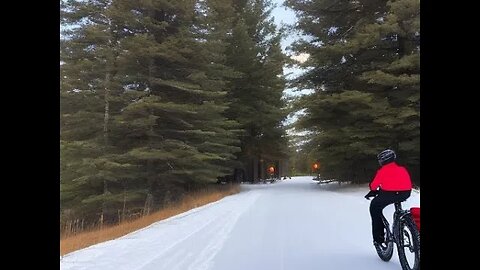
377, 205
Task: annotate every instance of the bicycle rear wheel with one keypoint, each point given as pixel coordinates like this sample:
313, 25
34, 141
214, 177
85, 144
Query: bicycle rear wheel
409, 244
385, 250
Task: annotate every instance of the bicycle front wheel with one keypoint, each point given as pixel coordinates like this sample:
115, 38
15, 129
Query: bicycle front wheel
385, 250
409, 244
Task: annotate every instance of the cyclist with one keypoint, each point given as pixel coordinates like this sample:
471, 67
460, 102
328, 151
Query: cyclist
391, 184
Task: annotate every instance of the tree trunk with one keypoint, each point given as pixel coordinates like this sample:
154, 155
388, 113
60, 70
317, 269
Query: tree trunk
255, 162
262, 168
110, 67
124, 202
106, 119
148, 204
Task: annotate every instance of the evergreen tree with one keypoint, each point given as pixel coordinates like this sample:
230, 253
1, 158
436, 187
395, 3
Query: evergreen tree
143, 102
91, 95
254, 51
365, 73
155, 96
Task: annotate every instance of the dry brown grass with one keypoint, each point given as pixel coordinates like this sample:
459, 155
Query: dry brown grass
85, 239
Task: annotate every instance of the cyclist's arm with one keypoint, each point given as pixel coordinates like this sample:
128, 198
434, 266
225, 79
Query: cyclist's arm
377, 181
407, 175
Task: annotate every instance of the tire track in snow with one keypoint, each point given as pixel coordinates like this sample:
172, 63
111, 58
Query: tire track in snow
196, 250
194, 236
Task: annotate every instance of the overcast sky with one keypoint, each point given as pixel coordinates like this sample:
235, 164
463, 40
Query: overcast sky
285, 15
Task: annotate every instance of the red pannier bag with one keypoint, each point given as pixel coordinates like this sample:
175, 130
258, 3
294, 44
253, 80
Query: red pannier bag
415, 211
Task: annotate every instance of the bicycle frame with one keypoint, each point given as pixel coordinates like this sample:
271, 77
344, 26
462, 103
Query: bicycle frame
398, 215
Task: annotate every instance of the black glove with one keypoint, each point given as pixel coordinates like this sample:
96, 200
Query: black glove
370, 194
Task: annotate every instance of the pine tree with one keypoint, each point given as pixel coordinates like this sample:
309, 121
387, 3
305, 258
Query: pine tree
158, 128
256, 95
364, 59
91, 95
146, 109
177, 131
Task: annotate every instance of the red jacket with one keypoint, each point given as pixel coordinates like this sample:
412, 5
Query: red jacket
391, 177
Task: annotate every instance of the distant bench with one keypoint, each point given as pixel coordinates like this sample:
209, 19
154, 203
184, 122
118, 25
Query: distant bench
323, 181
271, 180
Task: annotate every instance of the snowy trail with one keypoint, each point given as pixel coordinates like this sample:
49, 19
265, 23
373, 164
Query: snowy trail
293, 224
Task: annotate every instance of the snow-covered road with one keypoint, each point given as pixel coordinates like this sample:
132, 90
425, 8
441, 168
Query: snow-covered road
291, 224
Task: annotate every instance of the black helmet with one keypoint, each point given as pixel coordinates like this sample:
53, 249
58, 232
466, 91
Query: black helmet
386, 156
